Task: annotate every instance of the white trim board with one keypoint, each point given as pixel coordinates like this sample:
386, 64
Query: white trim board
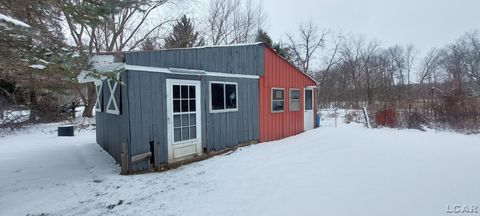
186, 72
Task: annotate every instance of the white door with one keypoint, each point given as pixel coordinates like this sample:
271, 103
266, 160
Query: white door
308, 115
183, 119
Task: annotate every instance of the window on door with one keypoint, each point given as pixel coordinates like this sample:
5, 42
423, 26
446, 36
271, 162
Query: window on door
184, 113
223, 97
308, 99
278, 99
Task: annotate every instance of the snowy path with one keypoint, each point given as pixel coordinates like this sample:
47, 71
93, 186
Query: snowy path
347, 170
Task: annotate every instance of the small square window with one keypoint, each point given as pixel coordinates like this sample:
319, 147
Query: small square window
278, 100
294, 100
223, 97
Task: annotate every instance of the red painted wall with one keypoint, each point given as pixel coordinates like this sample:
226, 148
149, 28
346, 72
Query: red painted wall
279, 73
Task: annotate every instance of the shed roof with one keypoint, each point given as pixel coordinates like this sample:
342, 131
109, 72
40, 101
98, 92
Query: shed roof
121, 55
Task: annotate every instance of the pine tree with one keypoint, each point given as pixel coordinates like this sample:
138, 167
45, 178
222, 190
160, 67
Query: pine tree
183, 35
282, 51
34, 56
262, 36
148, 45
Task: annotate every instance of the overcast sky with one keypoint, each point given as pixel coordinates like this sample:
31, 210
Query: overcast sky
423, 23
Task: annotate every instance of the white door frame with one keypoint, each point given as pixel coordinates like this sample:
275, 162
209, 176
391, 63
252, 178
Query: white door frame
310, 124
188, 148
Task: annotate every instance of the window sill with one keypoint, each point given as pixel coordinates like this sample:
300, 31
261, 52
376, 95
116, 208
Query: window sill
224, 111
114, 112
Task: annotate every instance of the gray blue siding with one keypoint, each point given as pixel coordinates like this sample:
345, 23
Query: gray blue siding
247, 59
113, 130
143, 118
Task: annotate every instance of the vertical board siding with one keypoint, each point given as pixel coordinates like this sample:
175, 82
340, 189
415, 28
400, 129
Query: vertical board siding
143, 116
228, 129
113, 130
279, 73
219, 130
242, 59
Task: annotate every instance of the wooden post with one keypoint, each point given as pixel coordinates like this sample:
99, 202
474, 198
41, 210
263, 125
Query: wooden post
124, 160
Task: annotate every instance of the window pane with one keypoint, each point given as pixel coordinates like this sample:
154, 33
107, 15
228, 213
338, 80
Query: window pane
193, 132
294, 105
231, 96
217, 95
184, 91
277, 94
184, 105
277, 105
185, 133
308, 99
193, 119
176, 121
177, 134
192, 91
192, 106
185, 120
294, 94
176, 105
176, 91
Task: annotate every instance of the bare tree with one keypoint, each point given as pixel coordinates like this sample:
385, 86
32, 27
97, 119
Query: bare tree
410, 56
305, 49
231, 22
331, 58
471, 44
124, 26
429, 66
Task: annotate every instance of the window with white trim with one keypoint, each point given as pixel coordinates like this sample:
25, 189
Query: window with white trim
223, 96
113, 104
98, 94
294, 100
278, 99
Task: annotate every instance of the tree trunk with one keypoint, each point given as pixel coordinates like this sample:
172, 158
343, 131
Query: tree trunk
33, 104
33, 99
90, 101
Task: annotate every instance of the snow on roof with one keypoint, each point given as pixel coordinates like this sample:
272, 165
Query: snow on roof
101, 64
13, 21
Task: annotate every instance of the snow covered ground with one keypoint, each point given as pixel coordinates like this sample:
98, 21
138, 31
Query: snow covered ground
348, 170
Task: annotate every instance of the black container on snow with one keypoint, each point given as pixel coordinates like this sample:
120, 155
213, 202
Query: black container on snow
65, 130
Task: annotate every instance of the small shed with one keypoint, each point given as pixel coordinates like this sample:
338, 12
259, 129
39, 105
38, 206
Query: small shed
386, 117
167, 106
